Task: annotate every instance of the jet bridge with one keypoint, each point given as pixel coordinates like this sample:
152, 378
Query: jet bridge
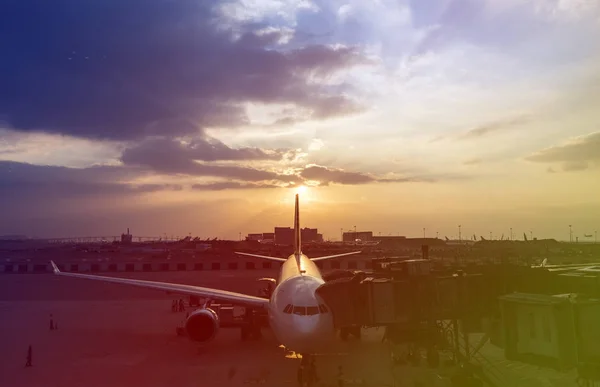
409, 299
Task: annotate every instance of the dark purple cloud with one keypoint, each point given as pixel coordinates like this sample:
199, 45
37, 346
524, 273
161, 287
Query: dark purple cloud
170, 156
21, 182
228, 185
201, 149
128, 69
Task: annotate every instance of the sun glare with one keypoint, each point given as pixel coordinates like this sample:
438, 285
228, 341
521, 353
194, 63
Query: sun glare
301, 190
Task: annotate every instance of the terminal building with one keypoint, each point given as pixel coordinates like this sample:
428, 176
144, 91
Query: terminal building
352, 236
285, 236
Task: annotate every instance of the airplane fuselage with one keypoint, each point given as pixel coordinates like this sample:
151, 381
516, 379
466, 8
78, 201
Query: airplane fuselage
298, 317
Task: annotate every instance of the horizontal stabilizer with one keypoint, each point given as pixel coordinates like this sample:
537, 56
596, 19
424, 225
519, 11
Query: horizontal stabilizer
334, 256
263, 257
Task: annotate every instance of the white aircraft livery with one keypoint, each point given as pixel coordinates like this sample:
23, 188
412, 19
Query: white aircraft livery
300, 320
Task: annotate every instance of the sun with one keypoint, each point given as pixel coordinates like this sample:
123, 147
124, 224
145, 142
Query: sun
301, 190
305, 192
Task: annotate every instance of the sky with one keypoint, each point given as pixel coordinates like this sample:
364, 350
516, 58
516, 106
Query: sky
404, 117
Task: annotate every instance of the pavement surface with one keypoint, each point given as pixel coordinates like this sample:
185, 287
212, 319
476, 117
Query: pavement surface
122, 336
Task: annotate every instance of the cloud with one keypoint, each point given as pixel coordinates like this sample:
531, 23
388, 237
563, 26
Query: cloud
474, 161
21, 182
316, 144
494, 127
112, 71
576, 154
201, 149
575, 166
325, 176
228, 185
169, 156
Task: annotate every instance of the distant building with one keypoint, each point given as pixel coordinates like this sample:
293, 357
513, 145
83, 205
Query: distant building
311, 235
351, 236
285, 235
390, 238
126, 238
262, 237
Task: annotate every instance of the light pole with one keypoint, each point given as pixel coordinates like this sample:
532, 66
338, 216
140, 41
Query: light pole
355, 235
436, 234
490, 235
511, 234
459, 233
531, 234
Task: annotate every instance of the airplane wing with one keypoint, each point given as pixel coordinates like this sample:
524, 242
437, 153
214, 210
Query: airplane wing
334, 256
214, 294
263, 257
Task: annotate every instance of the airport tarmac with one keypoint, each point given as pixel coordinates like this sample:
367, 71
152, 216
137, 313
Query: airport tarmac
121, 336
113, 335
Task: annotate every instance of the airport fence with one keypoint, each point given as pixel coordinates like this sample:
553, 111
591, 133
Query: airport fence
124, 267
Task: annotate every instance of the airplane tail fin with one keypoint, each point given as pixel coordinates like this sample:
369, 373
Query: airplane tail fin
297, 231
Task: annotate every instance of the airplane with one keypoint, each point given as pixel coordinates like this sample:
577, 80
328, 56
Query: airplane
299, 319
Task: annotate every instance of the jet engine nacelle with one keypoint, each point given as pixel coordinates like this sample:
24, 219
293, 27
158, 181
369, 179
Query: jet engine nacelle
202, 325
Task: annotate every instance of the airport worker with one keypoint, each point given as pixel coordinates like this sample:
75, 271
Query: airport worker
29, 357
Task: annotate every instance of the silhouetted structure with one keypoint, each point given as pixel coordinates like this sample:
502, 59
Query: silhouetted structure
351, 236
126, 239
285, 235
